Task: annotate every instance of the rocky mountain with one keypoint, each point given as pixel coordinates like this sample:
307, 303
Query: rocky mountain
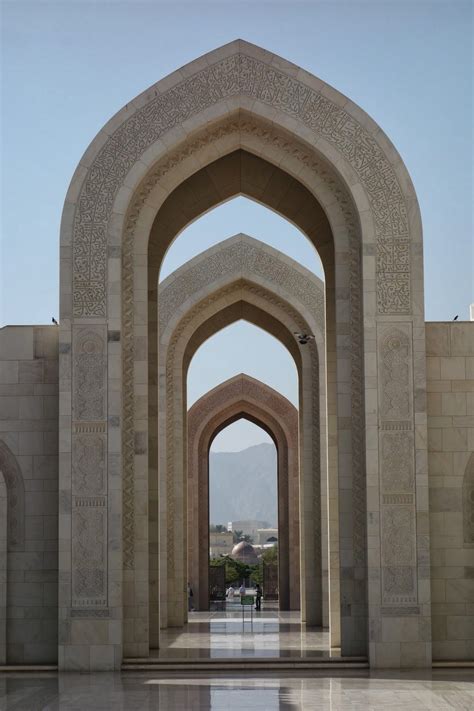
243, 485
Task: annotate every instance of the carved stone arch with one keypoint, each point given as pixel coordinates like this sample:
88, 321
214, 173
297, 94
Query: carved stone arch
15, 498
236, 398
468, 503
346, 163
248, 302
215, 295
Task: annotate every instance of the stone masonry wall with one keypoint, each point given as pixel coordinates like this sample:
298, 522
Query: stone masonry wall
450, 387
29, 463
29, 459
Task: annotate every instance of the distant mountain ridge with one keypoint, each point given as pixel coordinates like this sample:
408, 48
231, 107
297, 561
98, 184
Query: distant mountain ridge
243, 485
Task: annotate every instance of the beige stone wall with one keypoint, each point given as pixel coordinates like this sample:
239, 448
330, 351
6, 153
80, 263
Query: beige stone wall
29, 464
450, 392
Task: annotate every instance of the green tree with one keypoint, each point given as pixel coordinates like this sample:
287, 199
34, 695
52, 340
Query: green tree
235, 571
240, 536
217, 528
270, 555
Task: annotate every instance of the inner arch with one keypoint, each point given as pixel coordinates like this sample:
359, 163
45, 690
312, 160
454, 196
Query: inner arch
242, 347
249, 217
239, 173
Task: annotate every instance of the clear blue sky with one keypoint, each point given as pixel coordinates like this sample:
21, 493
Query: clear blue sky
68, 66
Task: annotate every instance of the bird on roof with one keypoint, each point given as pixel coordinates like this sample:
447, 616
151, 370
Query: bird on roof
53, 320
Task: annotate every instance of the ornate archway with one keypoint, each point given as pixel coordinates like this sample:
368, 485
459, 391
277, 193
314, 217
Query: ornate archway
239, 278
227, 122
243, 396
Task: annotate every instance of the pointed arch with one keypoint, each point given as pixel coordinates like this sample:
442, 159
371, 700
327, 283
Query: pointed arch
236, 398
241, 119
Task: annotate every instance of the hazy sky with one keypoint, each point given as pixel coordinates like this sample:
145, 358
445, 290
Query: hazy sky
68, 66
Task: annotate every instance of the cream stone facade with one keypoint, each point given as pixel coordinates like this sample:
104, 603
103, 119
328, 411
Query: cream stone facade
384, 425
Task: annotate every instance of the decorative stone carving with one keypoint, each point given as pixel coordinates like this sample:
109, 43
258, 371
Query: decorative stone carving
398, 471
15, 498
246, 76
397, 443
89, 367
399, 584
468, 503
398, 540
395, 374
89, 569
89, 465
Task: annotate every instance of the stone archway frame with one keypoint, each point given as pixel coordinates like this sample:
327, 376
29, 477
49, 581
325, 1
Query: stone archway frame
236, 398
389, 286
179, 340
242, 257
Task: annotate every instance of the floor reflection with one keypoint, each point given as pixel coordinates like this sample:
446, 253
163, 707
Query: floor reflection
223, 633
356, 691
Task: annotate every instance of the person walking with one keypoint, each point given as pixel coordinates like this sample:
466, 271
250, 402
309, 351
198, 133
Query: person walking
242, 589
190, 598
258, 597
230, 593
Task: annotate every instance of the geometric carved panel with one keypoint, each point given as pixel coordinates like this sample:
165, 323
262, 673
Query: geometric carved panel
398, 535
89, 363
89, 565
395, 373
399, 585
88, 464
398, 473
397, 464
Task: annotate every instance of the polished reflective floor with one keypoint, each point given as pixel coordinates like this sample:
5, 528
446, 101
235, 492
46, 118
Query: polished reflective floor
361, 692
225, 633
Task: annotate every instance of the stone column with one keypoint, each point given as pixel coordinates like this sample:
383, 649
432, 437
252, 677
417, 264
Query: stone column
3, 570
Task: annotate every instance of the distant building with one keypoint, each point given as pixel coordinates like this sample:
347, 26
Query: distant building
245, 553
266, 535
220, 543
471, 312
249, 527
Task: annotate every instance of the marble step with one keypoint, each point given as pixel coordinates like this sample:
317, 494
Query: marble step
243, 663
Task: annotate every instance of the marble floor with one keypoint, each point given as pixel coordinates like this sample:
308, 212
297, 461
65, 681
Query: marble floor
356, 691
223, 633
